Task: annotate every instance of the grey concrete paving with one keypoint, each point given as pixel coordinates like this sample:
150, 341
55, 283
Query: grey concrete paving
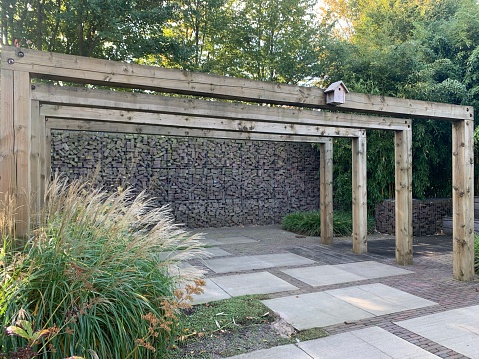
322, 275
212, 292
379, 299
206, 253
252, 283
369, 343
372, 269
228, 240
313, 310
282, 352
457, 329
343, 305
244, 263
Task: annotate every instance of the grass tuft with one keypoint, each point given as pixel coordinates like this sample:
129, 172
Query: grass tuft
309, 223
90, 279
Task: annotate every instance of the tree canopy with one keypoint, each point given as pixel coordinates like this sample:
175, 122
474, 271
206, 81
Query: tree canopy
421, 49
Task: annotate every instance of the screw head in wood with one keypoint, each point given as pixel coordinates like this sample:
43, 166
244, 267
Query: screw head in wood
10, 61
20, 54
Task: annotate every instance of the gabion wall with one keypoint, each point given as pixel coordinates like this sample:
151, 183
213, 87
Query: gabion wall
208, 183
427, 216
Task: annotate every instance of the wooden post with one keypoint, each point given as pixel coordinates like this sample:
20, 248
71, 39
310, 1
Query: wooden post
359, 194
463, 199
403, 157
326, 191
7, 160
22, 149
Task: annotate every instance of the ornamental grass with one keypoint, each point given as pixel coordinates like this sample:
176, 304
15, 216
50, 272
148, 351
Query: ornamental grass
91, 280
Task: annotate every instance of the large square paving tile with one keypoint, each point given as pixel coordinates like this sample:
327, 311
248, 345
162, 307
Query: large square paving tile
372, 269
212, 292
228, 240
252, 283
313, 310
205, 253
456, 329
366, 343
322, 275
379, 299
346, 304
282, 352
242, 263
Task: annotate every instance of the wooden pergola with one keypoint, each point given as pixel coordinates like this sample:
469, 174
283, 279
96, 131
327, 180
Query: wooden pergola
29, 111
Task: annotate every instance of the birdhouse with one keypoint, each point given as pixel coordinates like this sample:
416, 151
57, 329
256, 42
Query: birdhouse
336, 93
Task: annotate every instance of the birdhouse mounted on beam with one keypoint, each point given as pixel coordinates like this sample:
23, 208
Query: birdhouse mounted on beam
336, 93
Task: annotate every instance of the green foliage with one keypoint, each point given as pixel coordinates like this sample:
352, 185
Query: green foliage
89, 280
309, 223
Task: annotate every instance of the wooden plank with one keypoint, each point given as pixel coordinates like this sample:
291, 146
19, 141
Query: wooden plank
37, 138
47, 168
326, 191
95, 126
166, 104
7, 136
463, 200
212, 123
22, 149
109, 73
403, 168
359, 194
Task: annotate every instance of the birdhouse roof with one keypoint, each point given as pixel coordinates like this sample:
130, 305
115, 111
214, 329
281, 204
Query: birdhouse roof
335, 85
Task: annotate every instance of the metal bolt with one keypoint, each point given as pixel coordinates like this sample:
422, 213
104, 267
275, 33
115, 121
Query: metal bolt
20, 54
33, 87
10, 61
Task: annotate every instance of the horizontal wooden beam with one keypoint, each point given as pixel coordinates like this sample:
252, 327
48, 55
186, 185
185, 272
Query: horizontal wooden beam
185, 121
96, 126
108, 73
81, 96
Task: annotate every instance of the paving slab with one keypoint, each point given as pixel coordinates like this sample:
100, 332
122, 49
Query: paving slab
322, 275
228, 240
252, 283
379, 299
457, 329
372, 269
243, 263
184, 269
212, 292
366, 343
348, 304
282, 352
207, 253
314, 310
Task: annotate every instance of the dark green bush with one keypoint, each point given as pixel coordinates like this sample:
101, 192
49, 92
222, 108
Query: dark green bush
309, 223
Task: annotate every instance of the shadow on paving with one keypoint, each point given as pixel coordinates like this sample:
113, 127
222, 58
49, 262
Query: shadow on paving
422, 246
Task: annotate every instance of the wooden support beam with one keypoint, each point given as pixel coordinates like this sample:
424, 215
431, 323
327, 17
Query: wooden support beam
80, 96
7, 136
22, 149
186, 121
359, 194
36, 154
101, 126
326, 191
403, 157
103, 72
463, 199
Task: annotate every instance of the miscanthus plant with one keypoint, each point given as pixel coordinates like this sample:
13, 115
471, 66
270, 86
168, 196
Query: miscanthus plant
92, 280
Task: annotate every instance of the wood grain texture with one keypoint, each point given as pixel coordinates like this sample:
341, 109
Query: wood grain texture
7, 135
218, 109
463, 200
326, 192
186, 121
403, 158
103, 72
359, 194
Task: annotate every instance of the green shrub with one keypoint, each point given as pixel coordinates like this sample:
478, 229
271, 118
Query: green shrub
309, 223
90, 278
